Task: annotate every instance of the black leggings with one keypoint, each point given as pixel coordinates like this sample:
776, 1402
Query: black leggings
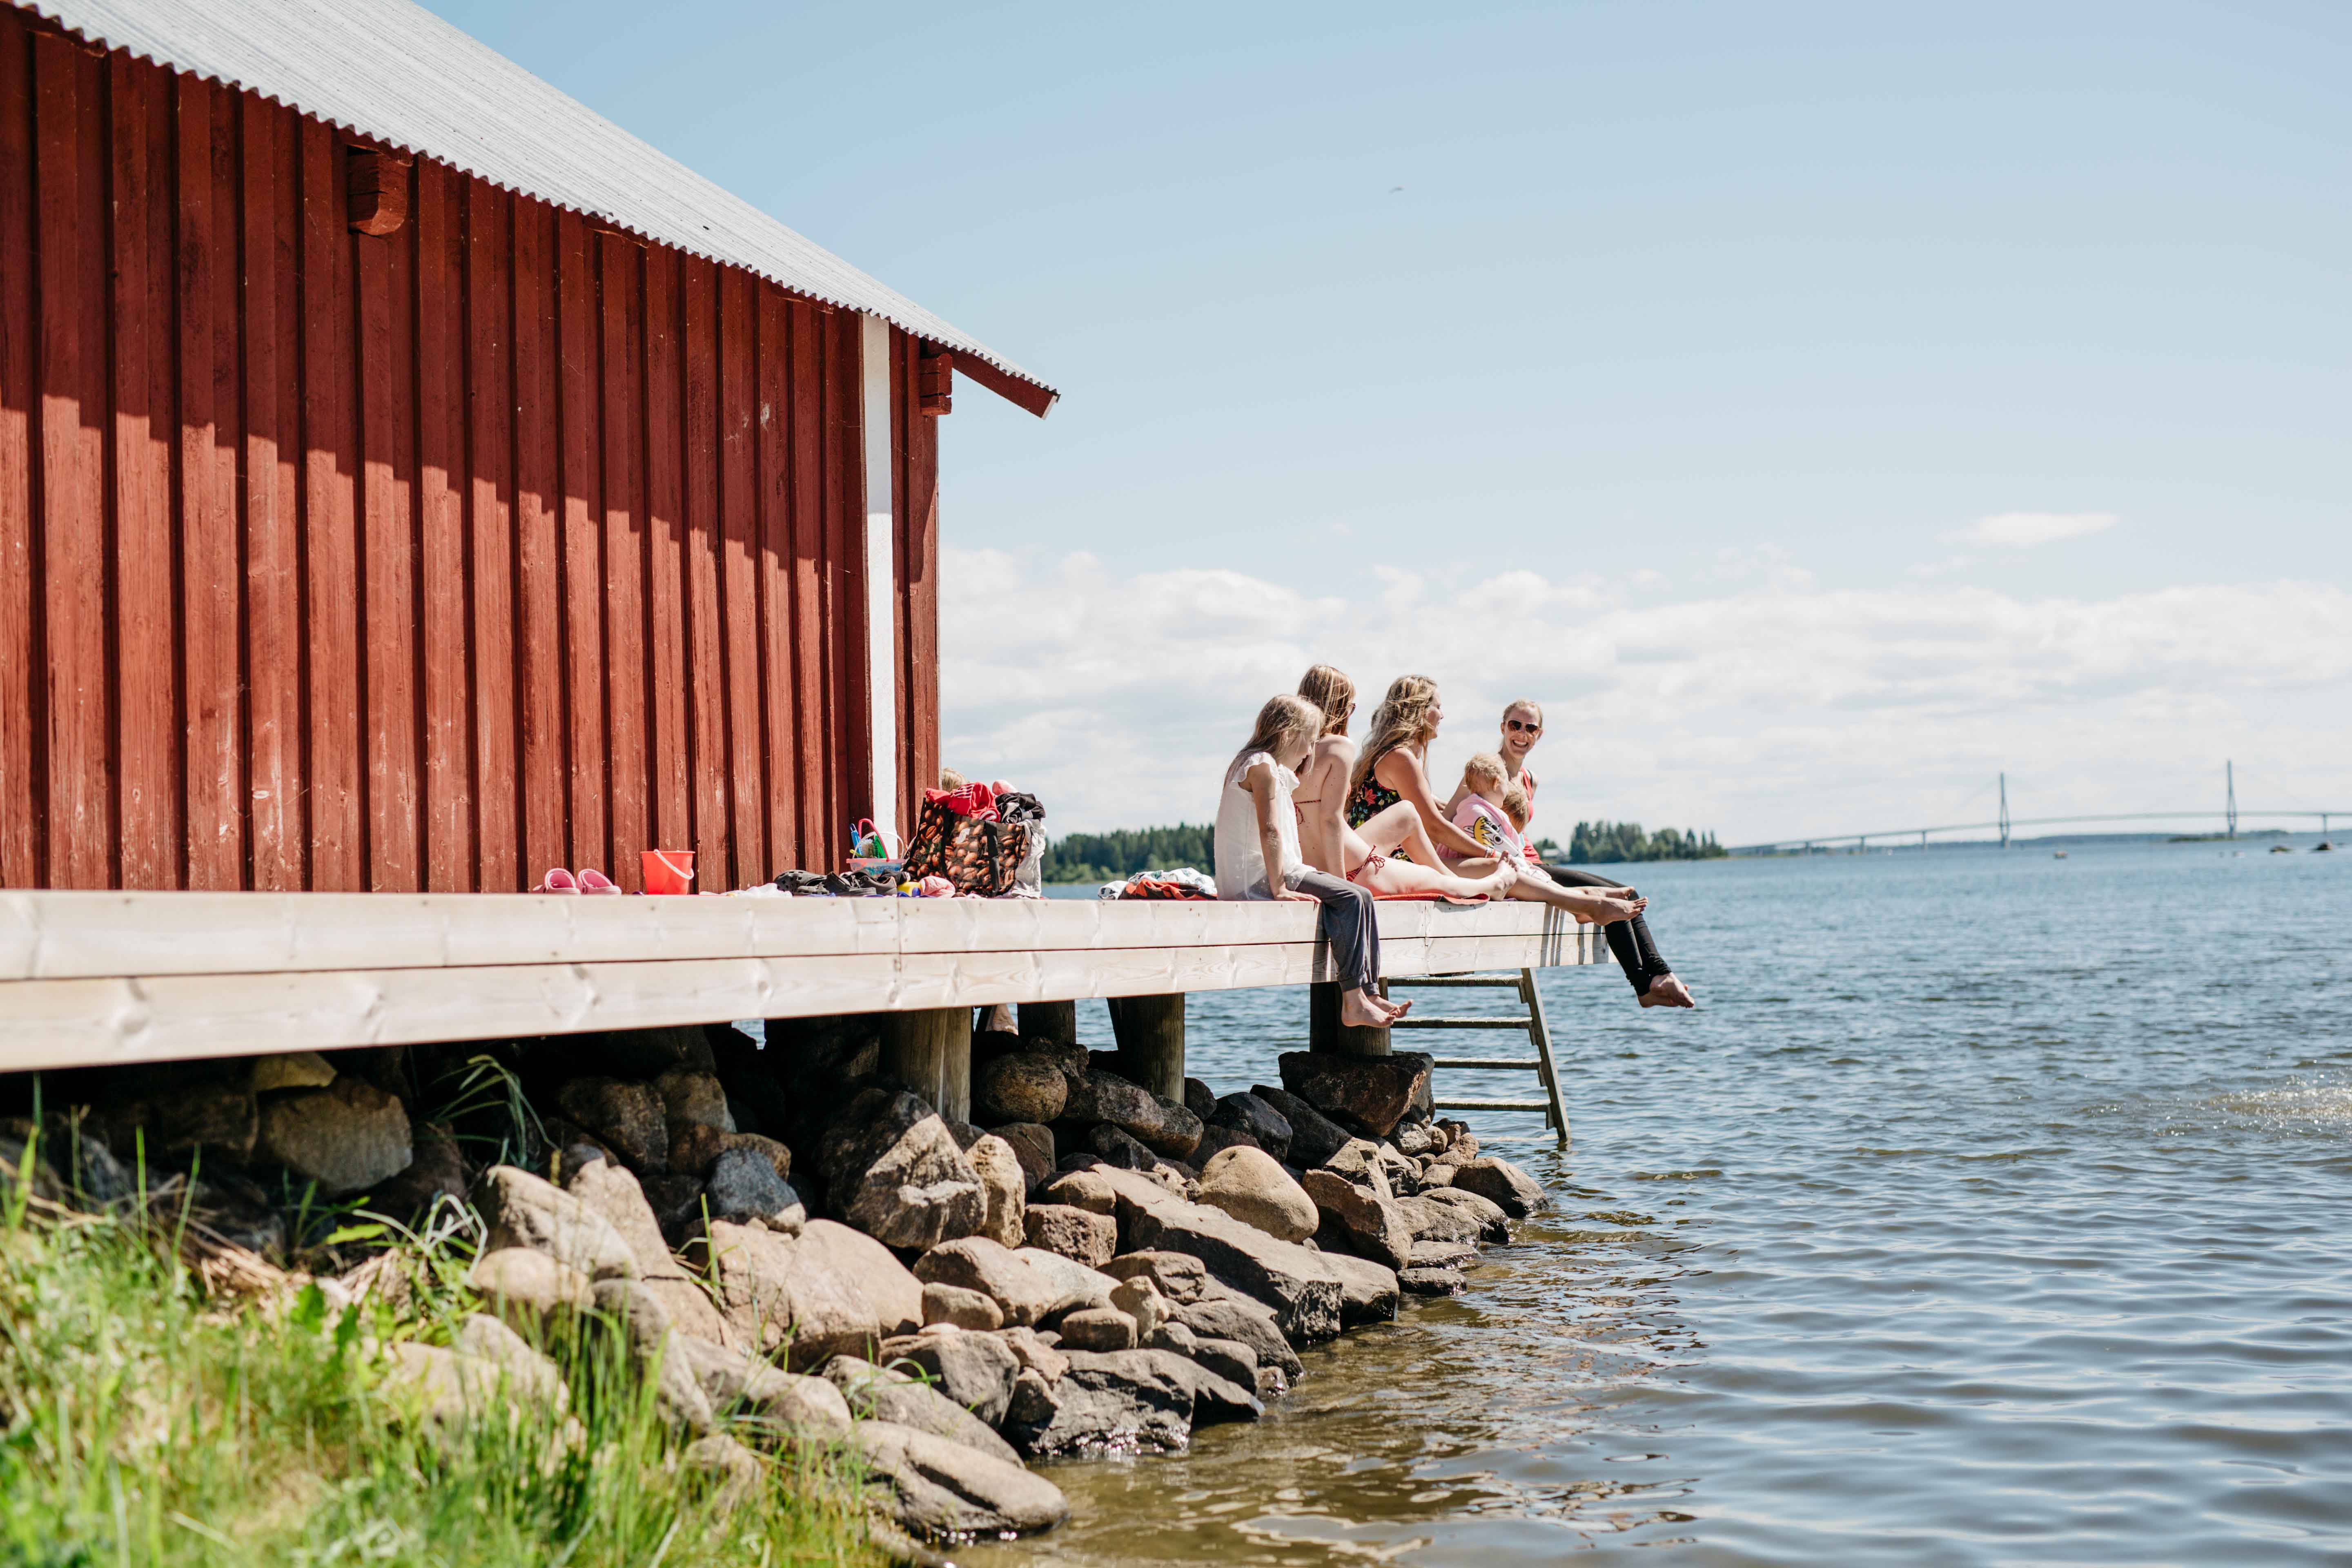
1350, 926
1637, 956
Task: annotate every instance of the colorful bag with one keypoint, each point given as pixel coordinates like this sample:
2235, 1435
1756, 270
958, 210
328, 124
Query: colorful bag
981, 858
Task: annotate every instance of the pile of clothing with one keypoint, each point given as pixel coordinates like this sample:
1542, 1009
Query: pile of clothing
1181, 885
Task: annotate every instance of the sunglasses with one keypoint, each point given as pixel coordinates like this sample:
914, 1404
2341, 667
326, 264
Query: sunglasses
1523, 724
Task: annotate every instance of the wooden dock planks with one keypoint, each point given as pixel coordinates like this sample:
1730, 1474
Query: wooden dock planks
95, 977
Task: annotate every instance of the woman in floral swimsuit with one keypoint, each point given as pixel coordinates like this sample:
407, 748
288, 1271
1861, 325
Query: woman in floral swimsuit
1391, 776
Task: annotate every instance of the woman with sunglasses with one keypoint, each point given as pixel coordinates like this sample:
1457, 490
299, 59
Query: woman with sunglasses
1653, 983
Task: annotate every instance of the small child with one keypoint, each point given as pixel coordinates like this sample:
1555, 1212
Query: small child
1483, 812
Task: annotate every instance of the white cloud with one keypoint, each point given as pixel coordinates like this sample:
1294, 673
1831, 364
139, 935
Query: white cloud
1771, 707
2024, 530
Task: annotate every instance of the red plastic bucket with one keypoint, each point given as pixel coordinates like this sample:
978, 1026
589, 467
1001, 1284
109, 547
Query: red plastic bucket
669, 870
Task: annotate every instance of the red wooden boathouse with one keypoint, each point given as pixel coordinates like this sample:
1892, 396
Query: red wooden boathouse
410, 482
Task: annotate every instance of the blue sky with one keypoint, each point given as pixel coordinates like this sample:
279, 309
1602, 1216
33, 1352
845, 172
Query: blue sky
1663, 361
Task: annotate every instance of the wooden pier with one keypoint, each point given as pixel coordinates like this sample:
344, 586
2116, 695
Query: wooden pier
99, 978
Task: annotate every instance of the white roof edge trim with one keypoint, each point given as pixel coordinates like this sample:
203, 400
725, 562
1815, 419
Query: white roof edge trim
394, 73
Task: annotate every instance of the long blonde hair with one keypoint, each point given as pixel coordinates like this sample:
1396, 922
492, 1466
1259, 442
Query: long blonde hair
1285, 723
1333, 692
1400, 720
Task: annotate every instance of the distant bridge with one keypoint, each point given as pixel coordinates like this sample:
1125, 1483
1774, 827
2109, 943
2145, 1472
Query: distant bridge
2228, 815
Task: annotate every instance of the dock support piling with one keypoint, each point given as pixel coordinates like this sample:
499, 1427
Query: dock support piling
1054, 1022
1150, 1034
930, 1051
1327, 1035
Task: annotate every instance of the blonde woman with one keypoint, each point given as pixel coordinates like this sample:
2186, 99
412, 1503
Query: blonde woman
1392, 775
1654, 983
1258, 855
1376, 856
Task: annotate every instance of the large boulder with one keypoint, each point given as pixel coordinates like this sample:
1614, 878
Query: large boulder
1359, 1160
1003, 1186
946, 1491
1443, 1255
692, 1097
1360, 1220
1371, 1094
1080, 1190
1493, 1223
776, 1405
1251, 1185
1229, 1359
1027, 1086
612, 1191
346, 1136
974, 1371
528, 1289
958, 1308
744, 1186
291, 1070
1314, 1137
893, 1170
1116, 1146
519, 1209
1434, 1221
1098, 1329
1285, 1276
1029, 1286
695, 1146
1180, 1275
1162, 1125
529, 1374
1502, 1183
1119, 1401
626, 1117
1246, 1321
827, 1291
1073, 1232
1033, 1144
880, 1394
1264, 1126
651, 1341
1421, 1281
1367, 1290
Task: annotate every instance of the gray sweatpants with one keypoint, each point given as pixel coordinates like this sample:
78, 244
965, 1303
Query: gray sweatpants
1349, 926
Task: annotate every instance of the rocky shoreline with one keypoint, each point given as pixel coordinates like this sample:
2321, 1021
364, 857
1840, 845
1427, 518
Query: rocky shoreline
799, 1254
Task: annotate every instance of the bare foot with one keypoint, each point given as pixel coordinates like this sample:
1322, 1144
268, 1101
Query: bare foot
1665, 991
1610, 911
1364, 1010
1396, 1009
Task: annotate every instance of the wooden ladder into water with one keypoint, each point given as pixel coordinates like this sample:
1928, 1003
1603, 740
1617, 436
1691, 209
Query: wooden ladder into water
1532, 1021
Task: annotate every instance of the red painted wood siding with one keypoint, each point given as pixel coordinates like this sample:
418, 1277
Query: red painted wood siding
423, 562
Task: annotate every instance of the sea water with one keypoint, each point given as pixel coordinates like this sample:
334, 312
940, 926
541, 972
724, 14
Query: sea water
1993, 1208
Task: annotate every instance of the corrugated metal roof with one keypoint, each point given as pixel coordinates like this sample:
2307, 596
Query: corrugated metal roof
395, 73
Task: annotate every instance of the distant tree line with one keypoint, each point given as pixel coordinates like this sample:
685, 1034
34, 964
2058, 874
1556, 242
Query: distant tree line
1114, 856
1607, 841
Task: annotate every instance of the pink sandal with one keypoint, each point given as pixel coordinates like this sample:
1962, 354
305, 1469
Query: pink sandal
557, 880
595, 881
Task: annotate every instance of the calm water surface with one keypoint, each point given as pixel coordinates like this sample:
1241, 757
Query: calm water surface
1993, 1210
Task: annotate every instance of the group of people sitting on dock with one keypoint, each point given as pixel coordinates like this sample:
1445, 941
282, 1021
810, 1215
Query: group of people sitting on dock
1308, 814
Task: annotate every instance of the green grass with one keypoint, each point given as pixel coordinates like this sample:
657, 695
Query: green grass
142, 1423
